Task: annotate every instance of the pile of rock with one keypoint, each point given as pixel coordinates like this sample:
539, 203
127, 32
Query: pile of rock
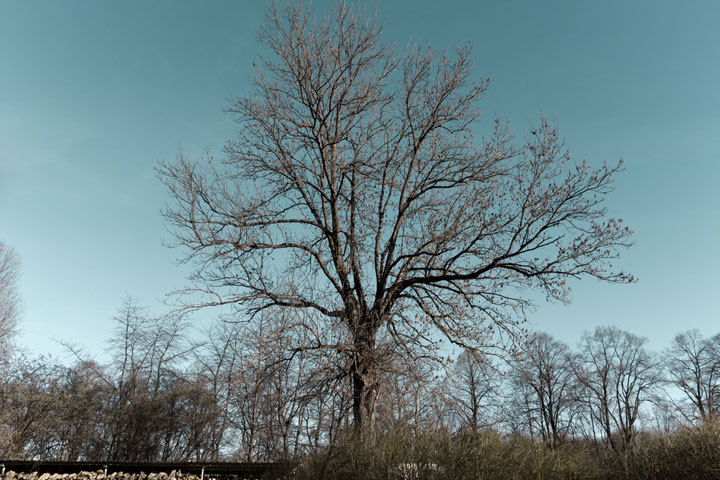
100, 475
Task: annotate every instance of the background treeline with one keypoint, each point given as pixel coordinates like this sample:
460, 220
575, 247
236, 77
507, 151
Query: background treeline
238, 394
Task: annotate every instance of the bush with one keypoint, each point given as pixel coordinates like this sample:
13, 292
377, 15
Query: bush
433, 455
400, 455
688, 453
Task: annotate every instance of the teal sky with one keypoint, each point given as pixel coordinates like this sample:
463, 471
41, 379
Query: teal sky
93, 94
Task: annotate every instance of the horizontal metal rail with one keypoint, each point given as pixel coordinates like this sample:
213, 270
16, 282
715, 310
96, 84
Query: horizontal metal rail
216, 469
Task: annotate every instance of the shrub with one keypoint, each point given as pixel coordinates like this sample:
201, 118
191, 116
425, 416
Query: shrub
433, 455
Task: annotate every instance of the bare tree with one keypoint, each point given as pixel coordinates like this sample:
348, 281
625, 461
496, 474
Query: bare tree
148, 392
253, 402
619, 375
693, 366
472, 391
358, 192
328, 413
9, 297
217, 366
28, 410
548, 386
408, 395
81, 411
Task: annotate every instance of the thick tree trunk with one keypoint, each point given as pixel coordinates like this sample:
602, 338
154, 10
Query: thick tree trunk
365, 393
365, 386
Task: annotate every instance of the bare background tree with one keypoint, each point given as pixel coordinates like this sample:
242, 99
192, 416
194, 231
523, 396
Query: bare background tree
693, 366
546, 389
359, 193
242, 395
9, 298
471, 393
619, 375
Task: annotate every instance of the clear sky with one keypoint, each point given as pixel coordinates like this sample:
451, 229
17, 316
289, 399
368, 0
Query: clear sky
94, 93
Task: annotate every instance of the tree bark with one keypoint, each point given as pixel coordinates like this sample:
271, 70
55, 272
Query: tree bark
364, 374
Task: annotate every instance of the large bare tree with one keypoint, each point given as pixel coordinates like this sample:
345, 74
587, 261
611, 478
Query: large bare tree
359, 195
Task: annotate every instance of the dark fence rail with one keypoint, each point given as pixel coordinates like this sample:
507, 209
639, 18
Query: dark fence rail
214, 469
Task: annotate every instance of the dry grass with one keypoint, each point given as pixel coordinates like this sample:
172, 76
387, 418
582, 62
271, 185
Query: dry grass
400, 455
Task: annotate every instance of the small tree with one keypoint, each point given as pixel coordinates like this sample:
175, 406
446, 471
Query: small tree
358, 193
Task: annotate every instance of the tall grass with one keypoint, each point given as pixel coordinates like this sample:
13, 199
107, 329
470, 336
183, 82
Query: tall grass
401, 455
687, 453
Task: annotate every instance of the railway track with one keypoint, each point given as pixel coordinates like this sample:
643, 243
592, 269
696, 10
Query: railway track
226, 470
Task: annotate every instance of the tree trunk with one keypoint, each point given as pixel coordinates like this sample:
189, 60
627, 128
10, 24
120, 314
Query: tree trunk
365, 394
364, 383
